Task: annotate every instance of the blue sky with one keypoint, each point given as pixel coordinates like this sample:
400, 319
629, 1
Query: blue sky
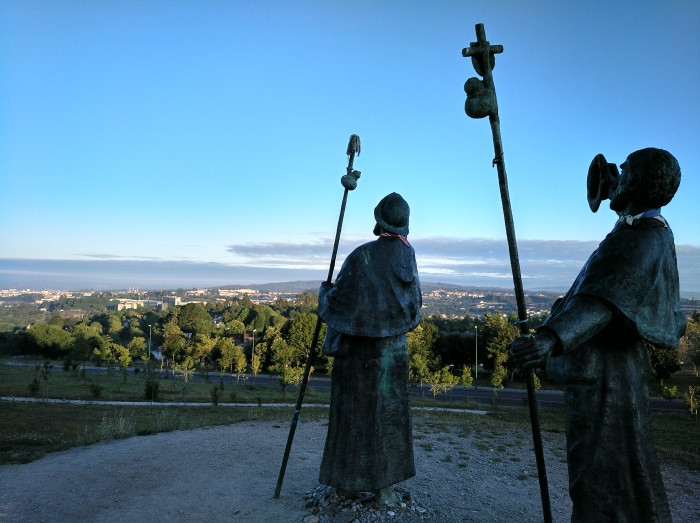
215, 132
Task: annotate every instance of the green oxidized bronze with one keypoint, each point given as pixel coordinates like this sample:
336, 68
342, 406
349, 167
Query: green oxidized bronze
593, 342
374, 301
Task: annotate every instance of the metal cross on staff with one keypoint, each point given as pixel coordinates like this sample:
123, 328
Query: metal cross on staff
481, 102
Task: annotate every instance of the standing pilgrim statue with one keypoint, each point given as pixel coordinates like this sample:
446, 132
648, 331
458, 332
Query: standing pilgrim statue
375, 300
593, 342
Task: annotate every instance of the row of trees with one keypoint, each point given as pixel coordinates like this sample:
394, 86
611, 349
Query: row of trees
239, 336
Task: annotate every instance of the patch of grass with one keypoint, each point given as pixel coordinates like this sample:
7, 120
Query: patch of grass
681, 380
678, 438
15, 381
447, 458
30, 430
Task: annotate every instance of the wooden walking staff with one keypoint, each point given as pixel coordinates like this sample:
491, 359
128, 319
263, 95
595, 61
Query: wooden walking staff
481, 102
349, 182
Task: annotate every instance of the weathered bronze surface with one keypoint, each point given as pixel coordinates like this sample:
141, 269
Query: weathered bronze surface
374, 301
593, 342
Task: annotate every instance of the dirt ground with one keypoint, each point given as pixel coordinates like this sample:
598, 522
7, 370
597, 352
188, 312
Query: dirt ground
229, 473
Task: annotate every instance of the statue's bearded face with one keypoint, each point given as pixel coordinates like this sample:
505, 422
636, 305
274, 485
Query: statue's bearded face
622, 196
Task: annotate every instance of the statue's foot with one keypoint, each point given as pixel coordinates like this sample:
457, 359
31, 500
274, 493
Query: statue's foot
387, 496
349, 494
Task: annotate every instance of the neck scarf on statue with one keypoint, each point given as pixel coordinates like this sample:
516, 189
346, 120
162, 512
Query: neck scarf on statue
392, 235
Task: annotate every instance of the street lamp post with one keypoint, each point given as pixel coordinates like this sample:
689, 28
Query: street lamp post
252, 354
476, 354
149, 349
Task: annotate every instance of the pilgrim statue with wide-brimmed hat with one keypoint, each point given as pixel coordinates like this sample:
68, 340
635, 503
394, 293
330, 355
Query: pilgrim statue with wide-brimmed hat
374, 302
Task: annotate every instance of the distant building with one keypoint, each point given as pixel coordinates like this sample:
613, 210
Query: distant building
237, 293
172, 300
147, 304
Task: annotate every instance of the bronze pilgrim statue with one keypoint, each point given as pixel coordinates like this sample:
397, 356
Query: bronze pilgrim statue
593, 341
375, 300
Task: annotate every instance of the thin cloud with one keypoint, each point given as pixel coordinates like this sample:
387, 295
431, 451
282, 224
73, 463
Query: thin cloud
550, 264
545, 265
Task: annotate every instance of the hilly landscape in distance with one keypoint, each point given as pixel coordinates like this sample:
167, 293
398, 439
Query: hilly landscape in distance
108, 275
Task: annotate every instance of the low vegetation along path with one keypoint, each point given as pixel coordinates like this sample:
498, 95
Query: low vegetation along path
468, 469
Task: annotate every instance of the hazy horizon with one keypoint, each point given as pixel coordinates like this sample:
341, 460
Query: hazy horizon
103, 275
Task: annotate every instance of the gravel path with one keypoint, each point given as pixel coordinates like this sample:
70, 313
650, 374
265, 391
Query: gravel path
464, 473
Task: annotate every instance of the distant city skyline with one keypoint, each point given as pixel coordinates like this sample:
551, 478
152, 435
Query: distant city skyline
476, 263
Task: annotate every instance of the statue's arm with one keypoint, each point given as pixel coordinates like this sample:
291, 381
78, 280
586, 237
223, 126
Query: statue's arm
582, 318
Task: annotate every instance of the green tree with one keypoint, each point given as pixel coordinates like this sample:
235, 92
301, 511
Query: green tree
239, 362
51, 340
285, 364
137, 348
664, 362
442, 381
45, 374
202, 346
114, 327
691, 400
300, 331
174, 342
123, 358
57, 321
307, 300
88, 343
235, 327
224, 349
262, 317
689, 349
421, 360
185, 367
466, 379
194, 319
498, 333
134, 330
104, 352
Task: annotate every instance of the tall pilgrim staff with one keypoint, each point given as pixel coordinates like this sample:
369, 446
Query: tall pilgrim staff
481, 102
349, 182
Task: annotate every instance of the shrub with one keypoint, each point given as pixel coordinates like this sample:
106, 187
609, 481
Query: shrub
669, 393
214, 393
96, 389
34, 387
152, 389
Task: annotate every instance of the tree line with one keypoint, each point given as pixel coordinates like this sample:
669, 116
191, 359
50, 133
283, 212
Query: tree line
240, 337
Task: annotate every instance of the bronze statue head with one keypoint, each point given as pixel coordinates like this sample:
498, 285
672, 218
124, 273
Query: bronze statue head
392, 214
649, 180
